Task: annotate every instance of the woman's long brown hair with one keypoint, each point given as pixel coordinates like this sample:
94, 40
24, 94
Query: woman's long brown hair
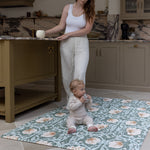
89, 9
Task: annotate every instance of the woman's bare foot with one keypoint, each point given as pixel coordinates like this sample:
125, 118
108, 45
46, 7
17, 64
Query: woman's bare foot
93, 129
71, 130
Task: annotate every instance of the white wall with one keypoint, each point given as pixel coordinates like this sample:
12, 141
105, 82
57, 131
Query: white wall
54, 7
114, 6
49, 7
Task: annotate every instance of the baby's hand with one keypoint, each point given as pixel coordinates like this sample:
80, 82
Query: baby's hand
88, 96
82, 99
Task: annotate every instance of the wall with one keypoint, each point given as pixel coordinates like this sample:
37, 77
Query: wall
114, 7
49, 7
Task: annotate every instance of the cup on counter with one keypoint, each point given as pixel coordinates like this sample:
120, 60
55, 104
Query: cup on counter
40, 33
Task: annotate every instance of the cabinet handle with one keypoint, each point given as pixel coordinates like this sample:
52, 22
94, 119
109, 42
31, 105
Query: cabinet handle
100, 53
141, 5
96, 52
135, 46
138, 5
51, 50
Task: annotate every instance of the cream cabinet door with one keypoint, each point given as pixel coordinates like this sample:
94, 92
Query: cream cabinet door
134, 64
107, 63
91, 69
129, 9
145, 9
104, 63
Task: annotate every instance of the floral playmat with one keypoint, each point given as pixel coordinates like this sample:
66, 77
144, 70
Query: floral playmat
122, 124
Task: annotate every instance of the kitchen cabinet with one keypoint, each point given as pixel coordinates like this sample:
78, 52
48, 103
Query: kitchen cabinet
24, 61
119, 65
135, 9
104, 63
134, 64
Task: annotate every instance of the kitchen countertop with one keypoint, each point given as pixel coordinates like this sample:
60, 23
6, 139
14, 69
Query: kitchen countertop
34, 38
129, 41
24, 38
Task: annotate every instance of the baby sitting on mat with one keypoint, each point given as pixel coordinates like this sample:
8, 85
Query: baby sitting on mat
77, 104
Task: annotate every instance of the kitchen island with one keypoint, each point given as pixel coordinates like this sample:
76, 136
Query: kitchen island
26, 60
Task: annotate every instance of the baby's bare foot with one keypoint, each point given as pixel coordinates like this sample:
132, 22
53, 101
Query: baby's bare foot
71, 130
93, 129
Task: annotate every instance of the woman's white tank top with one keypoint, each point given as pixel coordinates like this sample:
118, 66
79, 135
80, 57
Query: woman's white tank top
74, 23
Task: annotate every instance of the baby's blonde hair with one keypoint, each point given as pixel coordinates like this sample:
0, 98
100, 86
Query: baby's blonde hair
74, 83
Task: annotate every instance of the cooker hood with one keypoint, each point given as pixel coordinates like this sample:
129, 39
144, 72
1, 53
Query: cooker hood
16, 3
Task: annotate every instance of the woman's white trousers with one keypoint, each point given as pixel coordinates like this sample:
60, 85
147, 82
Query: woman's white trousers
74, 60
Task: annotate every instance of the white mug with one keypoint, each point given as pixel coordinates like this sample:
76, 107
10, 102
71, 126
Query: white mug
40, 33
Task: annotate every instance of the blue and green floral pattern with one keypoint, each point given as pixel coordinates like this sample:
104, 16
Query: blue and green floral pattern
122, 124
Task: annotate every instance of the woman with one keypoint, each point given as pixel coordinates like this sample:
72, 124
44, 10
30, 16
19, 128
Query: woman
77, 20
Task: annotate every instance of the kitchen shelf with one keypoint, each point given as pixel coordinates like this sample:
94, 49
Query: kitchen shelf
28, 98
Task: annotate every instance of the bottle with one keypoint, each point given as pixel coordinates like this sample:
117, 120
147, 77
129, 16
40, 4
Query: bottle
86, 98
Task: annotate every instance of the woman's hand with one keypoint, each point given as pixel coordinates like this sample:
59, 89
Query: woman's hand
63, 37
46, 33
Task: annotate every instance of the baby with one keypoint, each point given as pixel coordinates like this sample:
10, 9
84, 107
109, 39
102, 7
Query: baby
77, 104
